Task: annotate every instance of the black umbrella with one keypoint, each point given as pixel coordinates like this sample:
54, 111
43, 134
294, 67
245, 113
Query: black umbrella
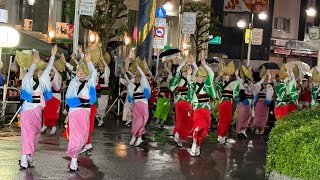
112, 45
212, 61
270, 65
169, 52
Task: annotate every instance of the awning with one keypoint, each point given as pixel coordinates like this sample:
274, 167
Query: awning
28, 42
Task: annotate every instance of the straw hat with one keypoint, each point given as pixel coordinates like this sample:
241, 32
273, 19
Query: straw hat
84, 66
132, 67
263, 72
202, 72
315, 75
107, 58
59, 64
24, 60
295, 71
247, 72
229, 69
283, 72
96, 54
41, 65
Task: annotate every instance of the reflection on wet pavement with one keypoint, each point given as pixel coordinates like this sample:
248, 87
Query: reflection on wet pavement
157, 158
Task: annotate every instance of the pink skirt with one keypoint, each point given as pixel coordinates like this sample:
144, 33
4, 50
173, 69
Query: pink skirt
140, 115
79, 123
30, 121
261, 115
243, 117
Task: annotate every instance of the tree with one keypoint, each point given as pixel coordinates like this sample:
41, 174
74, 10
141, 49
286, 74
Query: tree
204, 24
104, 19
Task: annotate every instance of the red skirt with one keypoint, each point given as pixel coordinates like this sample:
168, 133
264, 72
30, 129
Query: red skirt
201, 122
184, 122
292, 107
281, 111
93, 111
51, 112
225, 117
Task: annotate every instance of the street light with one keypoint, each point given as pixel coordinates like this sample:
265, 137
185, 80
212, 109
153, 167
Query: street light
242, 24
311, 12
92, 38
168, 5
263, 16
31, 2
51, 34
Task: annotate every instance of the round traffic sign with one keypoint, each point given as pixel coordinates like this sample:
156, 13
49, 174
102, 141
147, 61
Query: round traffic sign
161, 12
159, 32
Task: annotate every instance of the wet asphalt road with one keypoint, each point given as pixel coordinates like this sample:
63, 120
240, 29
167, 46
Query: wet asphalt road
157, 158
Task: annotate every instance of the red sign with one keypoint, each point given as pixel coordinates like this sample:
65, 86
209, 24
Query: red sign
282, 51
159, 32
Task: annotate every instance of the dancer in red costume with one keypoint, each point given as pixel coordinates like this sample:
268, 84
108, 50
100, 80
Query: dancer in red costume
183, 109
227, 91
200, 91
51, 111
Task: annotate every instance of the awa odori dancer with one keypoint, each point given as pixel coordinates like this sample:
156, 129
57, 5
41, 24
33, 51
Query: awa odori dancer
96, 59
228, 91
164, 97
51, 112
35, 90
200, 92
138, 94
263, 97
292, 89
244, 113
80, 95
315, 101
104, 91
183, 109
282, 101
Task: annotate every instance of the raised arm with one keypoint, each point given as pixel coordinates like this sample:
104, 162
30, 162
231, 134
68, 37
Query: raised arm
181, 66
33, 67
195, 69
56, 84
50, 63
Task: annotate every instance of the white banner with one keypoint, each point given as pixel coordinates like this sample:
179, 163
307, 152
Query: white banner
87, 7
3, 16
257, 36
189, 23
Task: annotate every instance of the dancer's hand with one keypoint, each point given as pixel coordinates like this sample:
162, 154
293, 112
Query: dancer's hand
63, 58
203, 61
87, 57
236, 72
54, 50
36, 57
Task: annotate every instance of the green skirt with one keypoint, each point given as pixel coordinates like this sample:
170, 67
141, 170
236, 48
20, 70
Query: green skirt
162, 109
